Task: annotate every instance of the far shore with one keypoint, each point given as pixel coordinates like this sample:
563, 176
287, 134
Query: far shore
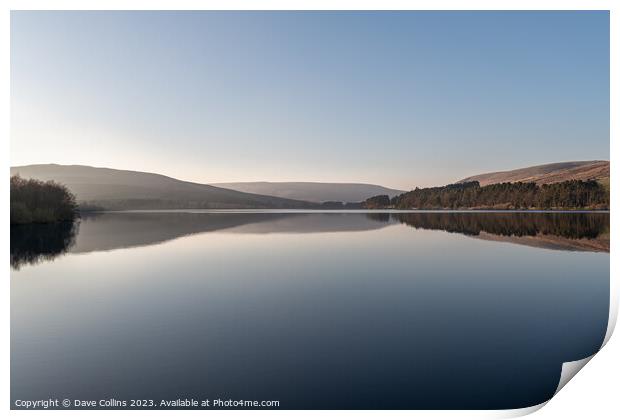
347, 211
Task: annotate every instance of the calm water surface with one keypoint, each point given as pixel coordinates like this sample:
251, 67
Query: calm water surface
318, 311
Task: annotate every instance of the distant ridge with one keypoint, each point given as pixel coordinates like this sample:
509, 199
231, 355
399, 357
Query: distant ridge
114, 189
313, 191
549, 173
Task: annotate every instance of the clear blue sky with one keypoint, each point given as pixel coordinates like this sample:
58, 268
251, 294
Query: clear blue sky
402, 99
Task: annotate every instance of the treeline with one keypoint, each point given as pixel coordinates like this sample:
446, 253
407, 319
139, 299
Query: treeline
34, 201
568, 195
377, 202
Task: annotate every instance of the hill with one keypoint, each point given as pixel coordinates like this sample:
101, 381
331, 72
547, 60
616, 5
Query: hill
317, 192
549, 174
114, 189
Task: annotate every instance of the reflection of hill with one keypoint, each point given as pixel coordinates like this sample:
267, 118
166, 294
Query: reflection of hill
33, 243
568, 231
314, 223
105, 231
598, 244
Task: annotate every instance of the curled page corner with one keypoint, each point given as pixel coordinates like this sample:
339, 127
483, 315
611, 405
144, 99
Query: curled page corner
520, 412
569, 370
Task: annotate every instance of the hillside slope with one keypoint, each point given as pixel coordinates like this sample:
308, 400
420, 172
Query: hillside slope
548, 174
313, 191
115, 189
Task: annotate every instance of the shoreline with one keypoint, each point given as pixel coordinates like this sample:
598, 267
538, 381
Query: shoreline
315, 211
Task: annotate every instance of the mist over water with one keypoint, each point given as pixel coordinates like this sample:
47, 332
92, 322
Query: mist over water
317, 310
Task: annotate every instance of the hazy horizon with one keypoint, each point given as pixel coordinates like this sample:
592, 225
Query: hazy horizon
399, 99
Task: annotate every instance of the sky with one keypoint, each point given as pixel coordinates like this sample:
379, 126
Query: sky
401, 99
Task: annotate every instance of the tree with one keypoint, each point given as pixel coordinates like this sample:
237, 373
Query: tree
34, 201
377, 202
519, 195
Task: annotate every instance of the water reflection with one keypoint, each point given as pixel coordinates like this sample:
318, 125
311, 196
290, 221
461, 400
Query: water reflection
106, 231
321, 311
567, 231
34, 243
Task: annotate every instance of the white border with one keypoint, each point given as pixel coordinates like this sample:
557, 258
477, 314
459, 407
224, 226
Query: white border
611, 408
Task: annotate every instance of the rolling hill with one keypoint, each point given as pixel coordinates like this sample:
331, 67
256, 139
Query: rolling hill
549, 173
313, 191
114, 189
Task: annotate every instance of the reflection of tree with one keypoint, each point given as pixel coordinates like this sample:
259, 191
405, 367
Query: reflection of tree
33, 243
379, 217
567, 225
